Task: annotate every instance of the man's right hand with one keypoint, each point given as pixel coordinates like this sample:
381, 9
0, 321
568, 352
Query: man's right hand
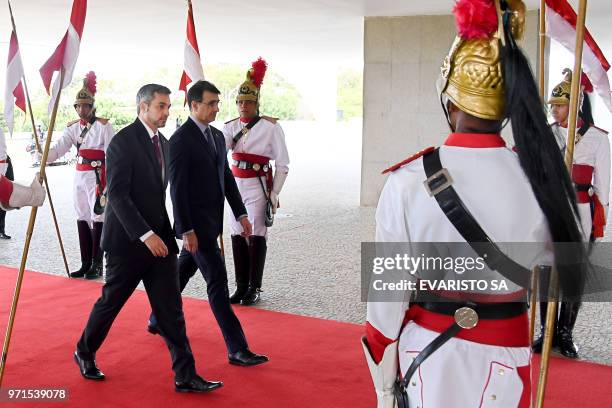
156, 246
190, 242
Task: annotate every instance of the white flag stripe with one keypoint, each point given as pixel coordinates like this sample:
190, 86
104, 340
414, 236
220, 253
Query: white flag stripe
14, 73
71, 54
193, 66
562, 31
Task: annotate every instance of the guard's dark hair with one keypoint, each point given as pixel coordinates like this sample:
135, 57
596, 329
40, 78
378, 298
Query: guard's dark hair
543, 163
586, 114
196, 92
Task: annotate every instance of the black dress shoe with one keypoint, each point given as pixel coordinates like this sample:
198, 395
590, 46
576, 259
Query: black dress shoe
4, 236
95, 271
197, 384
88, 368
246, 358
251, 297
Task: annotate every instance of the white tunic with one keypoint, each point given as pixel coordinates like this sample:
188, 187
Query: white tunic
264, 139
84, 192
592, 149
494, 188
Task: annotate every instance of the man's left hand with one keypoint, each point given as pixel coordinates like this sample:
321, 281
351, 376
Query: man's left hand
247, 228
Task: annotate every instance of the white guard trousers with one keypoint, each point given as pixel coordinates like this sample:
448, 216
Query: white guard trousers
255, 203
84, 194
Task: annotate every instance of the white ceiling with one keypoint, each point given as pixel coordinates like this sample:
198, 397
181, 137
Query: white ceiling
120, 35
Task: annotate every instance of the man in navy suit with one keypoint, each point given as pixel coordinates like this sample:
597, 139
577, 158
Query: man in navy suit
200, 181
139, 241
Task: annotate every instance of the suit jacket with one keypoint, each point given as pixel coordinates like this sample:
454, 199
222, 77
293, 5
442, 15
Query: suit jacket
136, 193
200, 180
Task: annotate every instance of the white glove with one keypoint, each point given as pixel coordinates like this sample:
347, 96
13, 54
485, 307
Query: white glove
383, 374
277, 186
27, 196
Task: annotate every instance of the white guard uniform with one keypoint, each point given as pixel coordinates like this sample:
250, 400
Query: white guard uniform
97, 138
266, 139
488, 365
3, 154
591, 166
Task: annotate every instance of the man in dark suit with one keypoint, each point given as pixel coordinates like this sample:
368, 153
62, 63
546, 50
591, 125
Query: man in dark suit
200, 181
139, 241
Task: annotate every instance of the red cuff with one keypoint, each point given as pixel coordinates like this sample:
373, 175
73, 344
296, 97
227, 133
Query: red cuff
6, 190
377, 342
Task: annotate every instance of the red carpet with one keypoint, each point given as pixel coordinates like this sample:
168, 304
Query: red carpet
314, 362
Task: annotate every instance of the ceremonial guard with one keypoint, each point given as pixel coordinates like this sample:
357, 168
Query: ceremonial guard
591, 177
91, 136
6, 170
470, 349
255, 141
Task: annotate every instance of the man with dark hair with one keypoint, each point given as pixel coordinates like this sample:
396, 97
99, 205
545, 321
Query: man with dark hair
90, 135
139, 242
200, 181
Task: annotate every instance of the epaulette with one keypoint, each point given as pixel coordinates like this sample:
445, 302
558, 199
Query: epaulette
600, 129
72, 123
270, 119
103, 121
408, 160
231, 120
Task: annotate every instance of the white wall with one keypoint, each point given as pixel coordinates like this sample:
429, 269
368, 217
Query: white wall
401, 110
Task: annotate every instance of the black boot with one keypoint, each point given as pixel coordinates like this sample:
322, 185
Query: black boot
257, 252
96, 267
240, 249
539, 342
567, 320
85, 242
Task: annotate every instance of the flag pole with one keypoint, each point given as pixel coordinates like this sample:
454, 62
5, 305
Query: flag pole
25, 85
551, 312
24, 256
541, 73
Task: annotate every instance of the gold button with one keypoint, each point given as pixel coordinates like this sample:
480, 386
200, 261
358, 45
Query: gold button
501, 371
493, 397
414, 383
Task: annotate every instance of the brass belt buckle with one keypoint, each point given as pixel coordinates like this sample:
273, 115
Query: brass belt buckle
466, 317
256, 166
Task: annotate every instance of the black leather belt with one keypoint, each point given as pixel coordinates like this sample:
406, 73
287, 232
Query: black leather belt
91, 162
486, 311
245, 165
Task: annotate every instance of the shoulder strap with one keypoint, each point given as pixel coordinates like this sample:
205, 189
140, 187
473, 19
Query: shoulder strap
246, 129
439, 185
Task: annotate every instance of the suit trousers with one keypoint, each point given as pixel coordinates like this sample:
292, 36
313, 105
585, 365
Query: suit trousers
212, 265
160, 278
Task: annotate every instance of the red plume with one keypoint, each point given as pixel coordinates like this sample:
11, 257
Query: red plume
586, 83
259, 71
90, 82
475, 18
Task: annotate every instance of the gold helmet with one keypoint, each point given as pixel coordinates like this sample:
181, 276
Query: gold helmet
249, 90
88, 91
472, 73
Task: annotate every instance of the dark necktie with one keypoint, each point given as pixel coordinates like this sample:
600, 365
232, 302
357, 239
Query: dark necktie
157, 149
210, 140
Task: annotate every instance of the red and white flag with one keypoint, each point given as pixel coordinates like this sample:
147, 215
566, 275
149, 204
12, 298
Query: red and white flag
192, 70
561, 26
66, 53
13, 93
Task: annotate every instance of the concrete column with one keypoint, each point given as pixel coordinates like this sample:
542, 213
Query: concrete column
401, 109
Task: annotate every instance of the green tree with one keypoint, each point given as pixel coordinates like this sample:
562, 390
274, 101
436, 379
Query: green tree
350, 93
